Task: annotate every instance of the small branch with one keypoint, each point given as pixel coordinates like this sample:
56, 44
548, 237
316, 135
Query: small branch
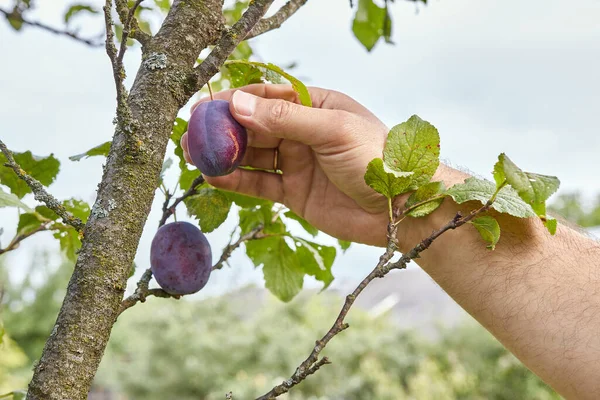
312, 363
126, 32
19, 238
255, 233
229, 41
142, 292
73, 35
276, 20
40, 193
127, 18
123, 111
168, 211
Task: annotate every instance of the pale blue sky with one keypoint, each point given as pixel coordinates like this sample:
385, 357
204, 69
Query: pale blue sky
492, 76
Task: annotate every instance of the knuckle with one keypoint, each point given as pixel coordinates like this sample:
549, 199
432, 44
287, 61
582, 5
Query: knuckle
279, 112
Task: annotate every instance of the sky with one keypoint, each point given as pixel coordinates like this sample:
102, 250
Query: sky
492, 76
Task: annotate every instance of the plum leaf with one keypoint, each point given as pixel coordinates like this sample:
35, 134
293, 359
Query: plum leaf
316, 260
44, 169
283, 274
210, 207
389, 183
100, 150
432, 190
304, 223
488, 228
10, 200
370, 23
269, 71
507, 201
413, 146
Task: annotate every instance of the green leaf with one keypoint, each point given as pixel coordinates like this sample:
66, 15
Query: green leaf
10, 200
44, 169
387, 26
46, 213
166, 165
163, 5
243, 74
69, 241
28, 222
507, 201
368, 24
234, 13
413, 146
251, 218
187, 175
281, 268
210, 207
489, 230
316, 260
267, 71
533, 188
551, 224
344, 244
77, 9
79, 209
424, 193
304, 223
15, 395
247, 201
389, 183
100, 150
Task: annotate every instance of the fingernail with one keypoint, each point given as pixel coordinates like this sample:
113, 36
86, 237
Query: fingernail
243, 103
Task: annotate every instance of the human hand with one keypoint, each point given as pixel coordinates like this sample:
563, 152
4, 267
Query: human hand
323, 156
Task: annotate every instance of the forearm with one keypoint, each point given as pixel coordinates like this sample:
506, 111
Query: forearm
538, 294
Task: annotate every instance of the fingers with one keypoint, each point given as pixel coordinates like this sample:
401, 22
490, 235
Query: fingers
252, 183
286, 120
321, 98
259, 158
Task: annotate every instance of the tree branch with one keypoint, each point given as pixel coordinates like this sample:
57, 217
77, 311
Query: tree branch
255, 233
169, 210
127, 28
14, 243
312, 363
73, 35
276, 20
127, 18
229, 41
116, 61
40, 192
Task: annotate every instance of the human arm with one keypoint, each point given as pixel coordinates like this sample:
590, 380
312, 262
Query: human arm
539, 295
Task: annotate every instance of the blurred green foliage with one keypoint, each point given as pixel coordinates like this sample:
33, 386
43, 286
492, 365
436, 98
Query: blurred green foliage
247, 341
571, 207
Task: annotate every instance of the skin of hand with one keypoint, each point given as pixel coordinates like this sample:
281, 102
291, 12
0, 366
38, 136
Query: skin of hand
539, 295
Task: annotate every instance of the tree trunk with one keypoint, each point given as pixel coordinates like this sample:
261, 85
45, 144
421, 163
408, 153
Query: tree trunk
164, 83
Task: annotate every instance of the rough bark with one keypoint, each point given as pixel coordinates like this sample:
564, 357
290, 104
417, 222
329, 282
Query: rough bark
74, 350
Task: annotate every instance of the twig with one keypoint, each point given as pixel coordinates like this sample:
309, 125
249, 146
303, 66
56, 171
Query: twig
255, 233
169, 210
125, 15
229, 40
312, 363
126, 32
118, 71
277, 19
14, 243
40, 193
142, 291
73, 35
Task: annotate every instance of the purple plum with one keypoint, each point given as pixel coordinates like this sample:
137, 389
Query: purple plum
180, 258
216, 141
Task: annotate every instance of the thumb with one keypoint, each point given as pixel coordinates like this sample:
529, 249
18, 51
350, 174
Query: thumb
286, 120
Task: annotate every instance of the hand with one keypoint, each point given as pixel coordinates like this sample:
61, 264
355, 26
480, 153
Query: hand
323, 154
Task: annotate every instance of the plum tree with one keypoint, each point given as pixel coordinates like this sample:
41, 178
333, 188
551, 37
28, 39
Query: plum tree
180, 258
216, 140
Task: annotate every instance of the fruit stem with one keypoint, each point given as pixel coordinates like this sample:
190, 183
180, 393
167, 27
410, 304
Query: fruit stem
210, 90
